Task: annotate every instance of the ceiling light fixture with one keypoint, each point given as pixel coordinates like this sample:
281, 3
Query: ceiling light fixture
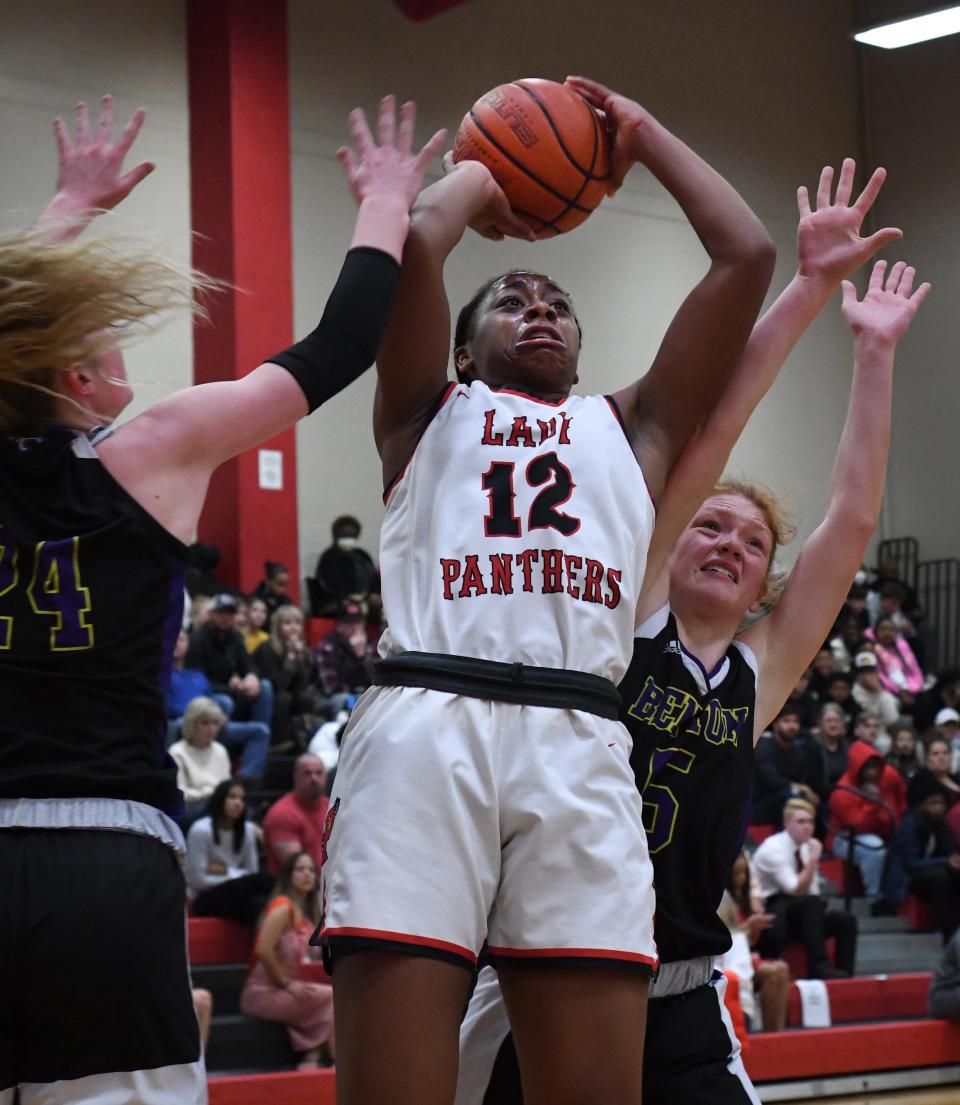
919, 28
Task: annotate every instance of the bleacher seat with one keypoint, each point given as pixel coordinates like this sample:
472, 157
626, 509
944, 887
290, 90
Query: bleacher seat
864, 999
851, 1049
217, 940
315, 1087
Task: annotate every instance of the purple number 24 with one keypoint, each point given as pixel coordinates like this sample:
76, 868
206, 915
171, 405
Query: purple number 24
55, 591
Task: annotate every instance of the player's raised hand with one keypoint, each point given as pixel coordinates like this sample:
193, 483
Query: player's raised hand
90, 173
889, 305
829, 246
387, 166
625, 120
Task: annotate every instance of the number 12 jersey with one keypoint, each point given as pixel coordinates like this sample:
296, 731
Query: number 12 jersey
518, 531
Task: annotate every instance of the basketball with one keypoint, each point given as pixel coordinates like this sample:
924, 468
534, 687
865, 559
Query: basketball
545, 146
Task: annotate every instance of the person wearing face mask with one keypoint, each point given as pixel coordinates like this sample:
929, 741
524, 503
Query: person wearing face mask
345, 571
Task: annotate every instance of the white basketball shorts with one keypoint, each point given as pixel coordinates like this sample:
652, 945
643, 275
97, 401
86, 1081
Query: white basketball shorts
456, 821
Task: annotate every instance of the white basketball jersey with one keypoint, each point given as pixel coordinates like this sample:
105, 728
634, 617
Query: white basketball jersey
518, 532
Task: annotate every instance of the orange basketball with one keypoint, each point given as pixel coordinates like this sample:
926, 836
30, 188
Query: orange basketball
546, 148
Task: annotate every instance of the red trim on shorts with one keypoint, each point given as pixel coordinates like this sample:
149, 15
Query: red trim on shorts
623, 426
576, 953
444, 396
401, 938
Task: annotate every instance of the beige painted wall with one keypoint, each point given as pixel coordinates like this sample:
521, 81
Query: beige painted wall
56, 52
767, 101
767, 97
913, 100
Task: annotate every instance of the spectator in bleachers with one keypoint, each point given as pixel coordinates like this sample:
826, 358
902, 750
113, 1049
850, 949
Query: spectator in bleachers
345, 572
782, 769
869, 692
840, 691
893, 599
888, 572
947, 725
943, 999
187, 684
218, 650
202, 761
199, 611
845, 643
286, 661
255, 632
820, 672
945, 692
830, 750
345, 659
897, 665
251, 737
295, 822
199, 577
742, 911
804, 701
903, 751
273, 587
273, 990
223, 868
936, 765
787, 866
871, 815
923, 857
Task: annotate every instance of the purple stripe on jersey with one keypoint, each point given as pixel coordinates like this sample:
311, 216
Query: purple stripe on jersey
171, 631
703, 671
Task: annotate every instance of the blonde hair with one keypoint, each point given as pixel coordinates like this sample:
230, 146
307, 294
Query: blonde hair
782, 532
797, 805
64, 303
199, 709
281, 616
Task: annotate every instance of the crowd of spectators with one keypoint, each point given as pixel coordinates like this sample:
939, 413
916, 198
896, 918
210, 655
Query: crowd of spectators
860, 764
246, 684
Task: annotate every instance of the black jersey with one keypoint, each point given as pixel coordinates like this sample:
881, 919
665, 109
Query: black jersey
91, 601
693, 760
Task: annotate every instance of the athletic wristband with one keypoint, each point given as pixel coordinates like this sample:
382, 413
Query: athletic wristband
345, 343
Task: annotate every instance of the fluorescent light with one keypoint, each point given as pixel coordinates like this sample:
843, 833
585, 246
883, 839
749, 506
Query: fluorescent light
920, 28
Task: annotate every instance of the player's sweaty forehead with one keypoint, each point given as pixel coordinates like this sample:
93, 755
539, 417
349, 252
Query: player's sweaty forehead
527, 281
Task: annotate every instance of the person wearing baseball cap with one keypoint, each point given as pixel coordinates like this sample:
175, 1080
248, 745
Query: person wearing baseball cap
870, 695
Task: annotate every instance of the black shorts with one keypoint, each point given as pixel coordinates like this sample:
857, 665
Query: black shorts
690, 1056
93, 956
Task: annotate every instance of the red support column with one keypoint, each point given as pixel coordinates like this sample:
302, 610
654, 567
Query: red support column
240, 204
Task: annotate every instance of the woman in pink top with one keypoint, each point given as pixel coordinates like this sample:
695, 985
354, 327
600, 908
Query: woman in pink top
896, 664
273, 990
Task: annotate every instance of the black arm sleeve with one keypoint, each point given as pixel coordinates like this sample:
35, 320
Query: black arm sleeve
345, 343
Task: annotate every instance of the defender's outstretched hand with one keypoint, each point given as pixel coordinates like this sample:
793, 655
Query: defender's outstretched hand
829, 246
387, 167
90, 173
889, 306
